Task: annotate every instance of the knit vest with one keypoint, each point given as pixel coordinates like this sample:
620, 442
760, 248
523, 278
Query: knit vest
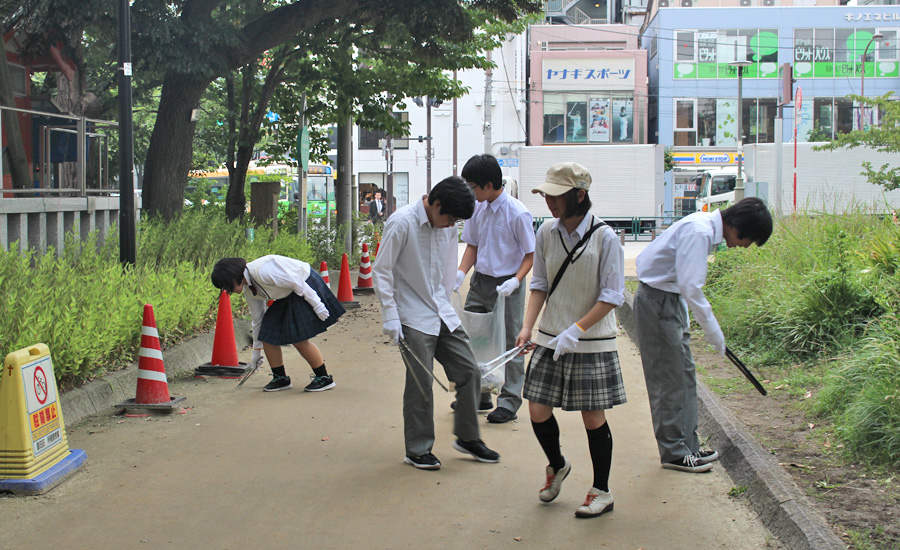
264, 291
577, 292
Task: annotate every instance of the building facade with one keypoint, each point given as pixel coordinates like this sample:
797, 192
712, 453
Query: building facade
694, 83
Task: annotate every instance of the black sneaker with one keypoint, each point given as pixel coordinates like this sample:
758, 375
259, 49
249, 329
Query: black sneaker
478, 449
278, 383
501, 415
320, 383
483, 406
690, 463
705, 457
425, 462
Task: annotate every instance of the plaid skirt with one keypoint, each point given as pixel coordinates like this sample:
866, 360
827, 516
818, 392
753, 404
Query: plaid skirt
291, 319
577, 382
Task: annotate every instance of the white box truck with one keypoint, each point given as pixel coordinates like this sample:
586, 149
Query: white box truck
827, 181
627, 189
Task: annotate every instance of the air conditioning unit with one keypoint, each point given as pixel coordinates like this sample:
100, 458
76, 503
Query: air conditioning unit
746, 2
687, 3
664, 3
768, 2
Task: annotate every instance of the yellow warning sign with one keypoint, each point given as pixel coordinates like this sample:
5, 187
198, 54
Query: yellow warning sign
32, 435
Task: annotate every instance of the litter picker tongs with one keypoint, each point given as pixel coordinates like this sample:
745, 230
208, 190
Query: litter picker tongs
247, 374
503, 359
405, 349
744, 370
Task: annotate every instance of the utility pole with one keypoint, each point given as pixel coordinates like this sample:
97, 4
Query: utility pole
428, 146
342, 192
455, 127
488, 76
127, 231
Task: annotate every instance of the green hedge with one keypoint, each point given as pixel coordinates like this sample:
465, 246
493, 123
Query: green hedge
88, 309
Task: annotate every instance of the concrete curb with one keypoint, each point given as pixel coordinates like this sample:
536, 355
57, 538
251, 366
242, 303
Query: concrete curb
773, 495
98, 396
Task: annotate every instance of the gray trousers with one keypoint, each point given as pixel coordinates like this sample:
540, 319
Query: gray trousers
452, 350
663, 331
481, 299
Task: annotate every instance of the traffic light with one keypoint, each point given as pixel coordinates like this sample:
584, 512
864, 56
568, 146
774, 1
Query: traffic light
787, 83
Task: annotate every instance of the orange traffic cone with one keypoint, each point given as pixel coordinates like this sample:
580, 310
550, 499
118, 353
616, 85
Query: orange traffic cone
345, 293
224, 360
323, 272
377, 246
152, 385
364, 280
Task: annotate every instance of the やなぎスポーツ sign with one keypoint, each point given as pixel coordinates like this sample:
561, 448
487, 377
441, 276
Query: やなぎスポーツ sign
34, 451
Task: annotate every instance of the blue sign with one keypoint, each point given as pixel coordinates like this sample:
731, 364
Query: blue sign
509, 163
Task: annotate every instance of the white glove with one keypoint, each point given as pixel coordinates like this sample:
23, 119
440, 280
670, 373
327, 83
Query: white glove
717, 341
508, 286
460, 277
322, 311
566, 342
393, 329
256, 360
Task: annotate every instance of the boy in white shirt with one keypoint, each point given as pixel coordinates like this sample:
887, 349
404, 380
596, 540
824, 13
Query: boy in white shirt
500, 239
672, 272
413, 276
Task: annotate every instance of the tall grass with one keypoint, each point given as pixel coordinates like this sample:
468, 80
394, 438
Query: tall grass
824, 291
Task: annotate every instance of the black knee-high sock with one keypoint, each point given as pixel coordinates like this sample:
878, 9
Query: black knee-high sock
547, 433
278, 371
600, 443
320, 371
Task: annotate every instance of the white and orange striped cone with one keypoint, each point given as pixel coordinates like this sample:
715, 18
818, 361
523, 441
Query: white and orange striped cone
364, 279
152, 385
323, 272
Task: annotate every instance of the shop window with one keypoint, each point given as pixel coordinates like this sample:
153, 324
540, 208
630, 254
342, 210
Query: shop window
843, 115
577, 120
685, 122
554, 118
706, 121
887, 50
823, 119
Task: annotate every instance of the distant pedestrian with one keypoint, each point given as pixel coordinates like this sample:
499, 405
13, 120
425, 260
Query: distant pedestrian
413, 275
579, 280
672, 272
303, 307
377, 209
500, 245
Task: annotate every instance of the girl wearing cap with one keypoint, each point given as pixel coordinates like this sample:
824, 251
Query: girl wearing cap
579, 275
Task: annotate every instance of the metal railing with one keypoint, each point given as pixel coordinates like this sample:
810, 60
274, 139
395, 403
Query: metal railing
637, 227
84, 137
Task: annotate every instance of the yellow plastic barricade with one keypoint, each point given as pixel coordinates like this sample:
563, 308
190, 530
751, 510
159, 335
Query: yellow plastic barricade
34, 451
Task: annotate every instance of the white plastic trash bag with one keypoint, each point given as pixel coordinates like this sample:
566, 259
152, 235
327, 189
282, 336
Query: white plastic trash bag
487, 336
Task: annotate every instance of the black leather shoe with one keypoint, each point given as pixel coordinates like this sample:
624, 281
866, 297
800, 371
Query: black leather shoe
501, 415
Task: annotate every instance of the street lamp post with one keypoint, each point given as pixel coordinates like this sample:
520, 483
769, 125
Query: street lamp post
739, 180
877, 37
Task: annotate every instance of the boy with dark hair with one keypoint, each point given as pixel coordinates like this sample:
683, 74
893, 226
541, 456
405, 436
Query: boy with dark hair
500, 245
303, 307
413, 276
672, 272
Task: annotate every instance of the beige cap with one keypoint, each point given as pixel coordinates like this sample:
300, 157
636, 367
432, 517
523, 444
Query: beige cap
564, 177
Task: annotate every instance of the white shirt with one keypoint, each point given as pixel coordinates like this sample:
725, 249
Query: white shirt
503, 231
611, 277
278, 277
415, 271
677, 261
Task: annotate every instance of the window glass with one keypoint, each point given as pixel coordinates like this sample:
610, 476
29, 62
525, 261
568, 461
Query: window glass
823, 117
684, 114
685, 139
748, 120
576, 115
766, 120
706, 121
371, 139
554, 118
888, 47
843, 109
823, 55
804, 52
684, 46
623, 119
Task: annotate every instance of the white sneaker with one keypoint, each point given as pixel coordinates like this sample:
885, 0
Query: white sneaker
596, 502
690, 463
554, 482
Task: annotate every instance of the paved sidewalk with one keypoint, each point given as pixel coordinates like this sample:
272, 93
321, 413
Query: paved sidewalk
247, 469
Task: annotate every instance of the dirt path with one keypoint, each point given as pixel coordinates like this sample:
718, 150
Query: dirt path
246, 469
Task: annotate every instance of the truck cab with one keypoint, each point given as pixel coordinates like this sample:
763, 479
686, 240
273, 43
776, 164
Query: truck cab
717, 187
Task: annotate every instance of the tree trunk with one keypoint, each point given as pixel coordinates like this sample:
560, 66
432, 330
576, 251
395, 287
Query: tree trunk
21, 176
171, 146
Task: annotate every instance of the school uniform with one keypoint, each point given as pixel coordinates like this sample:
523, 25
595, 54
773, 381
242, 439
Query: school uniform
503, 231
290, 319
413, 276
672, 272
590, 378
